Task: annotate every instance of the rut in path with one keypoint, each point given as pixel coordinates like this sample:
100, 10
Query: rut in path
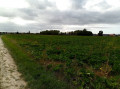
9, 76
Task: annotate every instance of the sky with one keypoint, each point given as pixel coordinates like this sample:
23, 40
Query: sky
63, 15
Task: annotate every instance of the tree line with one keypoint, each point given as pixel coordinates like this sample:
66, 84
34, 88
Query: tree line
83, 32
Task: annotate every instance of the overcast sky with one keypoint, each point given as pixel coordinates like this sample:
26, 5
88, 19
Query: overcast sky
63, 15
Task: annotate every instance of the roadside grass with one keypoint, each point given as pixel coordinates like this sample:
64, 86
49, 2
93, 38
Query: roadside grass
34, 74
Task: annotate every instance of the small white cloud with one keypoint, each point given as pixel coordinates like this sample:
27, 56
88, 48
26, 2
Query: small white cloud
13, 4
92, 5
63, 4
114, 3
21, 21
3, 19
100, 5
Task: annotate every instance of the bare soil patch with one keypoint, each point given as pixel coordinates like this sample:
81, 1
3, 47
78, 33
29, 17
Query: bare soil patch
10, 78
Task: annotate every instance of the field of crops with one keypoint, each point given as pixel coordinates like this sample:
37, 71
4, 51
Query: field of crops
78, 62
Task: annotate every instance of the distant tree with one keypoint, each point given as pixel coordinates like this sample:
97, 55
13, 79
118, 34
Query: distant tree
28, 32
71, 33
100, 33
83, 32
17, 32
50, 32
62, 33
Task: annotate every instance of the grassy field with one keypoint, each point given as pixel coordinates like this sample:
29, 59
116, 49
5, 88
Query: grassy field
64, 62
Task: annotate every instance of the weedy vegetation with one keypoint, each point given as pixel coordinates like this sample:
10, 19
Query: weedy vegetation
66, 62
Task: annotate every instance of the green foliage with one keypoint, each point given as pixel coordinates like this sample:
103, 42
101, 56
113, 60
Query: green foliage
77, 59
49, 66
50, 32
83, 32
57, 68
100, 33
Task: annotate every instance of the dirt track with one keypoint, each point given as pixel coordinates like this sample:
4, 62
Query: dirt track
9, 76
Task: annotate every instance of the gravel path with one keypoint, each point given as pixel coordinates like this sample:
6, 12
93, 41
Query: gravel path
10, 78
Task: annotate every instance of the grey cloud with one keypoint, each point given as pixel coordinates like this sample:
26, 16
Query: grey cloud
103, 5
40, 4
29, 13
8, 13
8, 27
12, 13
71, 17
85, 17
54, 18
12, 27
78, 4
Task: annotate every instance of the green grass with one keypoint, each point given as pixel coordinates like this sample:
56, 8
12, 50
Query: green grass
64, 62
